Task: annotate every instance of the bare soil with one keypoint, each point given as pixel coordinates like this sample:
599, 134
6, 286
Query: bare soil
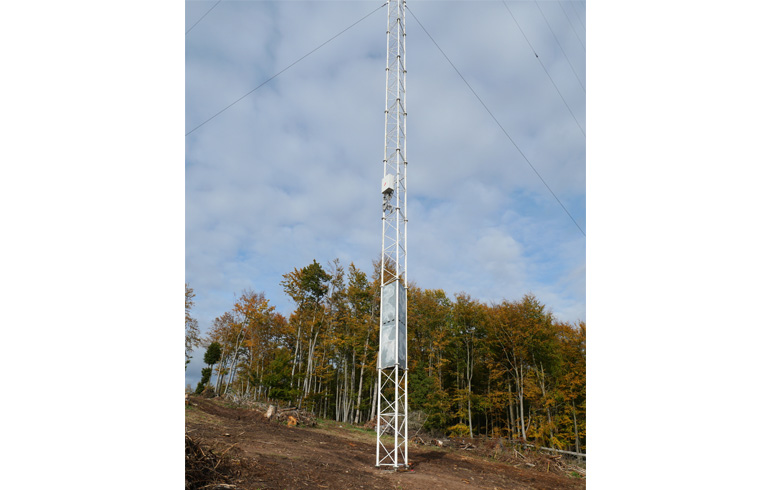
246, 451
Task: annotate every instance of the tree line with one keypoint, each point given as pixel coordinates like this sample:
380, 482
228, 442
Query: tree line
504, 370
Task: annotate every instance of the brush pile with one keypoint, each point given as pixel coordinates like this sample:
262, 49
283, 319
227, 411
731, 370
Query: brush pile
517, 455
204, 469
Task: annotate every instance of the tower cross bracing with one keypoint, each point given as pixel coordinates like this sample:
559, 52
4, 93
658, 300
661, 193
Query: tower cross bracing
392, 408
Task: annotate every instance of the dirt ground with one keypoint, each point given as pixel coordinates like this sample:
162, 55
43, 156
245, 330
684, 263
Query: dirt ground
262, 454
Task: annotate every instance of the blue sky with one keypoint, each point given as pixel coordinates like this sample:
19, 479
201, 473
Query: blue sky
291, 172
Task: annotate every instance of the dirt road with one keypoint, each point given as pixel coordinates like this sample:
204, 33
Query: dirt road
269, 455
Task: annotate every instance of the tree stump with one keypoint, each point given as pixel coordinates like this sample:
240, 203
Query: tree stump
270, 412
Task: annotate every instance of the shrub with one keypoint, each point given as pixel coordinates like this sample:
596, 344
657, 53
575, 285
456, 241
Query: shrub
459, 430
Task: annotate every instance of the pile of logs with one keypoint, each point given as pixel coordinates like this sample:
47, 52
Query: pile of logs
291, 416
453, 443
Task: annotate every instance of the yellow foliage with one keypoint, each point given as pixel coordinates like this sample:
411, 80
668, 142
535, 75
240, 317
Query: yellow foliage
459, 430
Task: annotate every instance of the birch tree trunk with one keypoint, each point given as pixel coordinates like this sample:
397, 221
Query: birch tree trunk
512, 424
375, 394
469, 375
219, 374
234, 363
577, 436
519, 370
545, 402
326, 400
351, 389
296, 352
310, 366
361, 379
337, 396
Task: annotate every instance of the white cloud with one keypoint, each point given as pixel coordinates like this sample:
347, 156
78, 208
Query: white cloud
291, 173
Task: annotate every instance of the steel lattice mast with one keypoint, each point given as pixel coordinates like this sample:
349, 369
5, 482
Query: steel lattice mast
392, 366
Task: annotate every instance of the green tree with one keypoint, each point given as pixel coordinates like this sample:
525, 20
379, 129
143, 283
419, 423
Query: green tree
213, 354
211, 357
429, 317
277, 377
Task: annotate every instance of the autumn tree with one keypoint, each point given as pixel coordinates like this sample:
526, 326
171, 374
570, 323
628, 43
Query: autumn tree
361, 296
469, 329
526, 343
501, 369
191, 332
249, 334
338, 339
307, 287
224, 330
571, 389
262, 333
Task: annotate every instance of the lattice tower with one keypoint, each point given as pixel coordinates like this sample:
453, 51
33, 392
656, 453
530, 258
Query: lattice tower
392, 369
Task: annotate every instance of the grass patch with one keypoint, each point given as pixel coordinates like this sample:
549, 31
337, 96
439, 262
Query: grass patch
349, 431
195, 415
